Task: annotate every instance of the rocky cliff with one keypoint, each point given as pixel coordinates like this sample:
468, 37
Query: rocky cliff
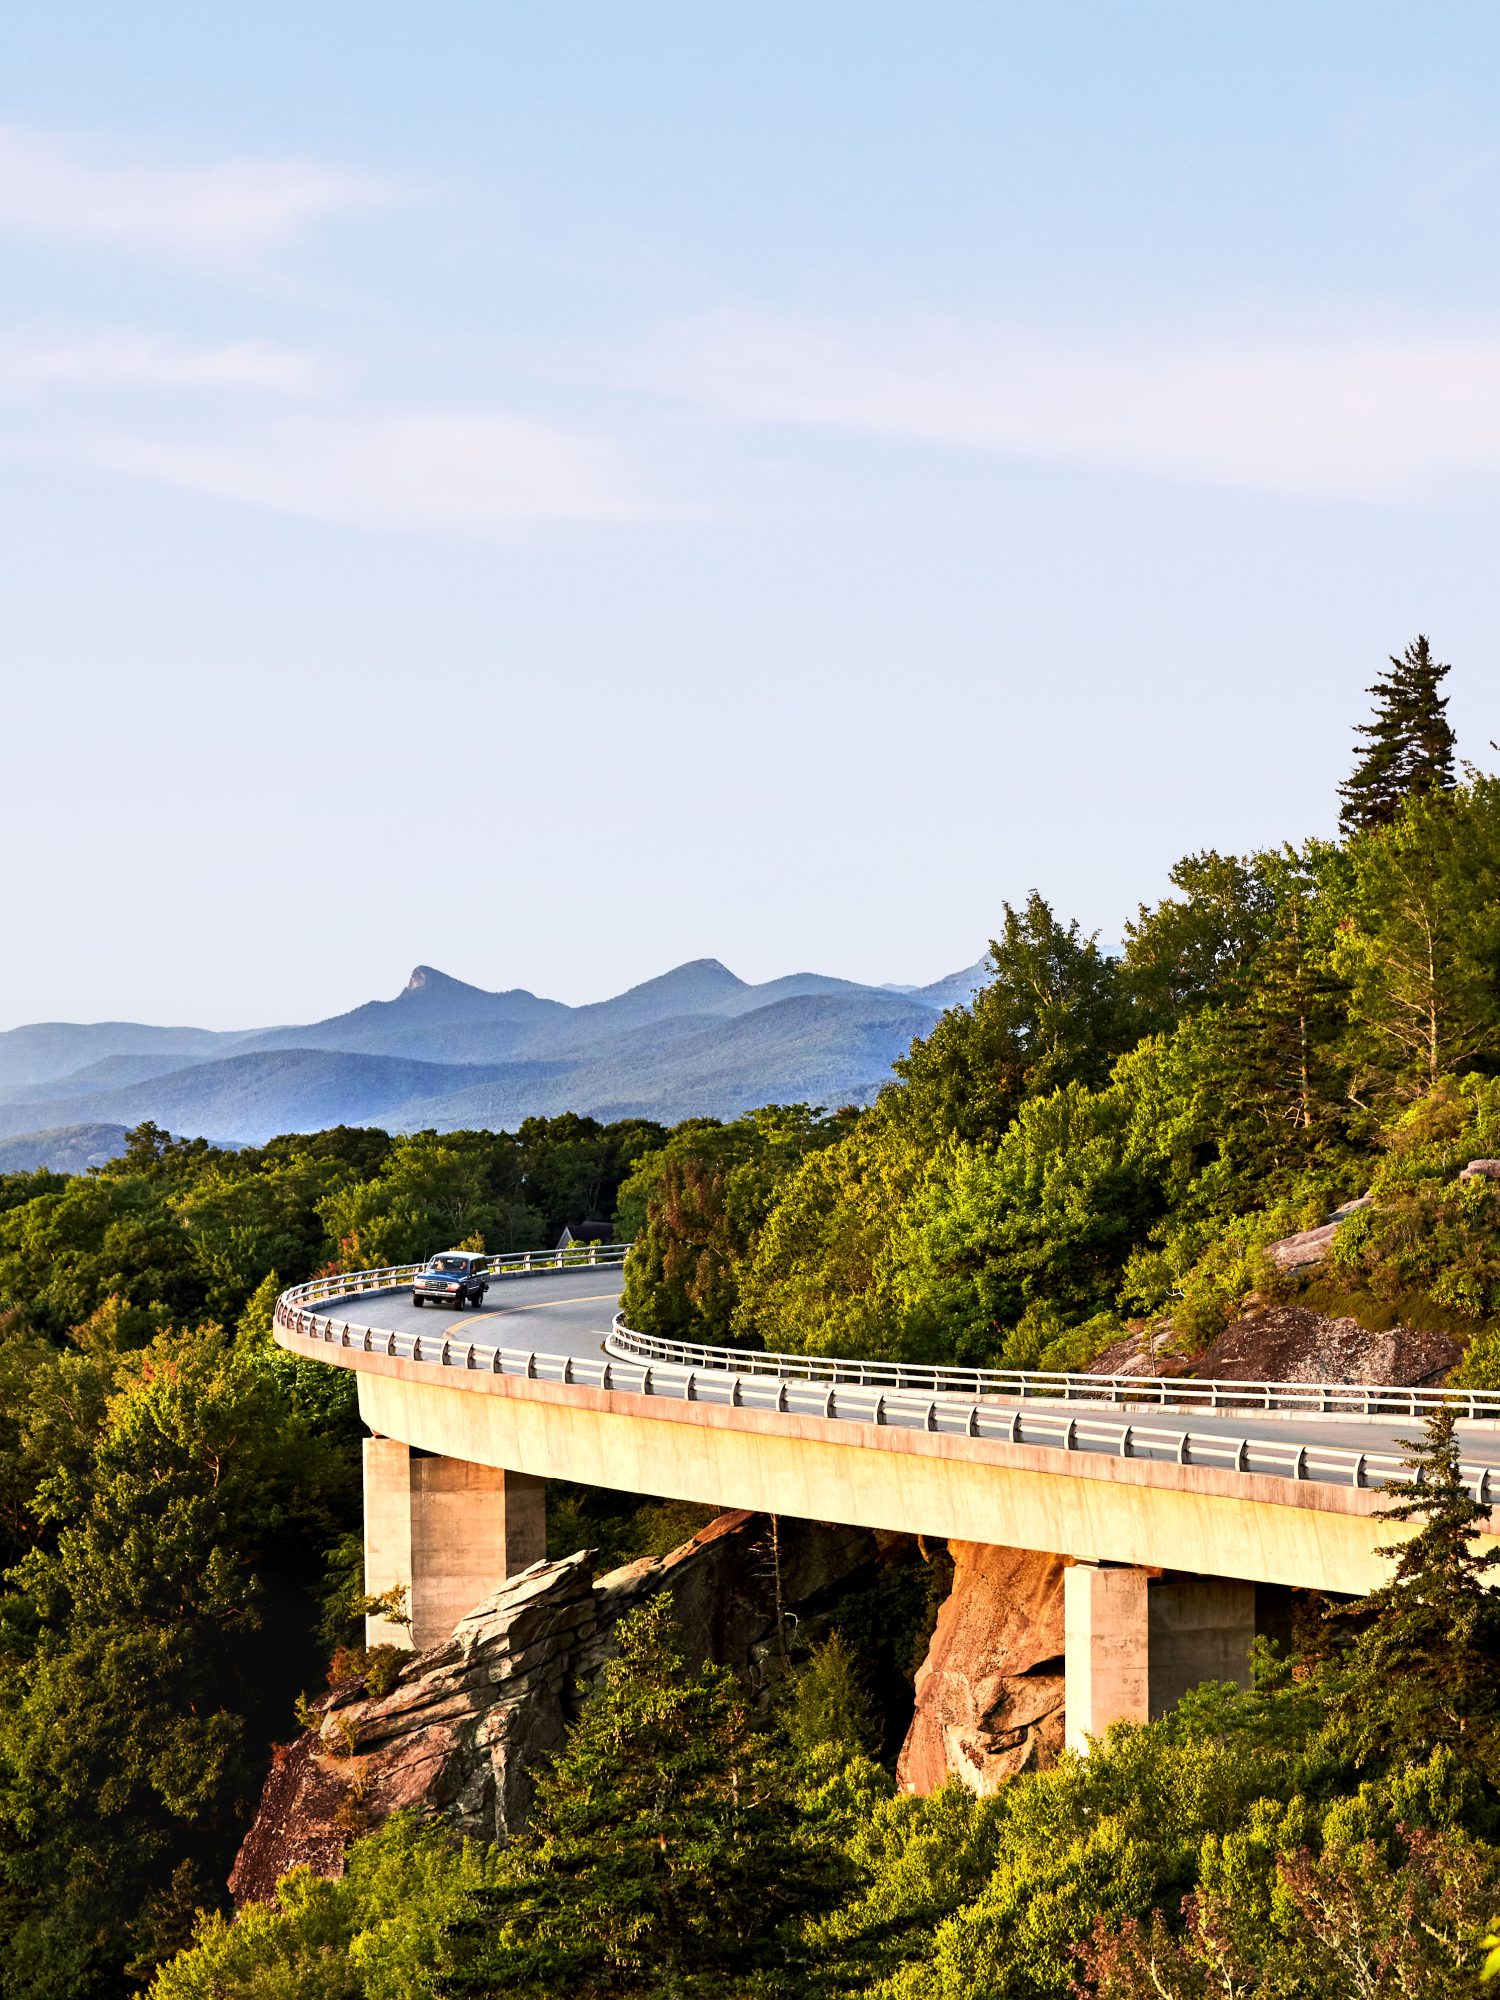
466, 1724
989, 1695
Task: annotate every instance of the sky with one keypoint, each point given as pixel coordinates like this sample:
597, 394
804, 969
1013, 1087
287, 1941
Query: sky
553, 491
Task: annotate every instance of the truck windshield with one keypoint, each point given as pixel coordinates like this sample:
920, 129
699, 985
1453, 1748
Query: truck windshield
456, 1265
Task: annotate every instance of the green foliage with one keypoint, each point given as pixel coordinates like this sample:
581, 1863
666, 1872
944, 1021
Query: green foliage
1425, 1670
1052, 1013
1395, 1918
1410, 744
1310, 1005
695, 1205
664, 1847
373, 1935
1419, 944
828, 1706
618, 1527
169, 1493
988, 1897
571, 1168
1198, 948
435, 1190
205, 1234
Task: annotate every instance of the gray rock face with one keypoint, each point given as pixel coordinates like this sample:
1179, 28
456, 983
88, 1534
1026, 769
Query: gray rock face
1306, 1248
467, 1725
1310, 1246
1287, 1343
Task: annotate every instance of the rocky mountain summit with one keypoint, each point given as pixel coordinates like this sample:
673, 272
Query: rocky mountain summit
695, 1041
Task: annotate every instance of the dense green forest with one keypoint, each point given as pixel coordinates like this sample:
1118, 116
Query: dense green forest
179, 1500
1102, 1143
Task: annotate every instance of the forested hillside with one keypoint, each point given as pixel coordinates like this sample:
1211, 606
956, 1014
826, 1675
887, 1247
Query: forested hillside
1102, 1141
178, 1498
1099, 1148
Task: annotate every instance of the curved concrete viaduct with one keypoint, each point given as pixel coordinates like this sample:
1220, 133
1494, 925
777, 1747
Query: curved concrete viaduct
1171, 1518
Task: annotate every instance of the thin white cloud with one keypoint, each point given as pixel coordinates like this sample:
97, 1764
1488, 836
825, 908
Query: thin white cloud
1337, 416
31, 364
426, 472
227, 212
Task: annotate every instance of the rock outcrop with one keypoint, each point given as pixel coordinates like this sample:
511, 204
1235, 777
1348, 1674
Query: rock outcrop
1310, 1246
464, 1729
1287, 1343
989, 1697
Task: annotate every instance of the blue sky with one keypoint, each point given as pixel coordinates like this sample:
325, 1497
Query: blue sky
557, 490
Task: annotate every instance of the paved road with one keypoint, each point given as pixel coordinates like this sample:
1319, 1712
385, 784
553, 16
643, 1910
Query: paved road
566, 1314
559, 1312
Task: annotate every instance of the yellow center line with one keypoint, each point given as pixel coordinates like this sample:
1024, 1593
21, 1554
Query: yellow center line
545, 1305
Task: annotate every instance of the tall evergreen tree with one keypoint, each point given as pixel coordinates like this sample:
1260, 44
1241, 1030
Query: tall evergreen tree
664, 1849
1410, 743
1280, 1060
1426, 1669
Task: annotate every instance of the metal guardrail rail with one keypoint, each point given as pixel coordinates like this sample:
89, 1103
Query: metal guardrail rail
1308, 1399
956, 1405
509, 1264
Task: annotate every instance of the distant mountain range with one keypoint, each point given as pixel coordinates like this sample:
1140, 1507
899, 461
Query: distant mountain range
698, 1041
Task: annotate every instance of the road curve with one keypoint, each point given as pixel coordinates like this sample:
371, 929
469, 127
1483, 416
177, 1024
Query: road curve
560, 1312
562, 1317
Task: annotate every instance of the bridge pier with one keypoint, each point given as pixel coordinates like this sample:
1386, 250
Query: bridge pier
451, 1532
1135, 1642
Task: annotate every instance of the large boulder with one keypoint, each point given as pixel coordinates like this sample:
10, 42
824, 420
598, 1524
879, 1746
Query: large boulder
467, 1724
989, 1696
1289, 1343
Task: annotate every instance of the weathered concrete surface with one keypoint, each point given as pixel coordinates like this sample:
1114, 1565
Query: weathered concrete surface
461, 1734
1137, 1640
1107, 1650
1198, 1629
1089, 1506
989, 1695
447, 1532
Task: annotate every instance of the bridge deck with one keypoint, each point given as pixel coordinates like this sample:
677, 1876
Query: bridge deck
568, 1313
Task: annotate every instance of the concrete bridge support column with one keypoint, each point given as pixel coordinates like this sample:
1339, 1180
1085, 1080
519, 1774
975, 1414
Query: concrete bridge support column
1136, 1641
450, 1531
1106, 1657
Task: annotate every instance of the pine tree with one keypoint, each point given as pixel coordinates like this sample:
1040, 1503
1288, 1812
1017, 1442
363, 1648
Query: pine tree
1426, 1669
1410, 747
1280, 1062
664, 1849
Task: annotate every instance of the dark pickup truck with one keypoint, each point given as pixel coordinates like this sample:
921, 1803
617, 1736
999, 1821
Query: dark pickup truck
452, 1278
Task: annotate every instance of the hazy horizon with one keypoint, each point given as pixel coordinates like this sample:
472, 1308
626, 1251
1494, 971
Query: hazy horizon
607, 992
